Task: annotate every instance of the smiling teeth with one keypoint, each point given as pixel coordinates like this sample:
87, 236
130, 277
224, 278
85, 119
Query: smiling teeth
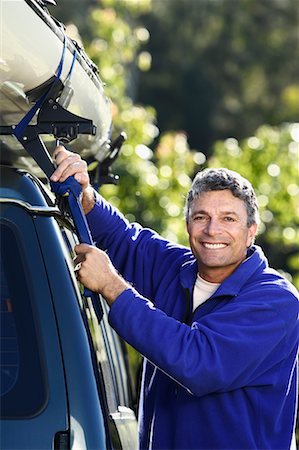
205, 244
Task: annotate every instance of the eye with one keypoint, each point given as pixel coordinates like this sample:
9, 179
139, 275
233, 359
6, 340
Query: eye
229, 219
199, 217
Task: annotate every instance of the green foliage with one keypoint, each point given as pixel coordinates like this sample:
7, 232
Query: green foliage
114, 47
270, 160
224, 66
113, 38
128, 7
153, 185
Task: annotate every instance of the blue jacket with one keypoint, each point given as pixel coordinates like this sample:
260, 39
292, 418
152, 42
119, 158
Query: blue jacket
222, 377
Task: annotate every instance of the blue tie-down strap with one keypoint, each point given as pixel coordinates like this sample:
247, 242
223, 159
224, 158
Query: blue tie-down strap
73, 190
19, 130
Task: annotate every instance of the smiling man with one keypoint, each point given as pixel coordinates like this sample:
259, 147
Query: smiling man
218, 328
219, 234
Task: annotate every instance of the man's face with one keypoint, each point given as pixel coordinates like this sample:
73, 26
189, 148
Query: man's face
218, 233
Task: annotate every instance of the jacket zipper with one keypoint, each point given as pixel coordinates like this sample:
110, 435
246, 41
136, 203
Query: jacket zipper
188, 316
186, 320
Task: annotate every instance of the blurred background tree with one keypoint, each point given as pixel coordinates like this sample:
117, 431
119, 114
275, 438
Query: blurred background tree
222, 67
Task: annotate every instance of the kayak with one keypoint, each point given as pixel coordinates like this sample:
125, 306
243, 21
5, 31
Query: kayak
35, 54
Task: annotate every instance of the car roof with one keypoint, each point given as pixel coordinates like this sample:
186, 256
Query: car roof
17, 184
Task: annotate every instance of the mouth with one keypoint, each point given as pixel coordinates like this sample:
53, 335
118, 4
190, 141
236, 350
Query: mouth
215, 246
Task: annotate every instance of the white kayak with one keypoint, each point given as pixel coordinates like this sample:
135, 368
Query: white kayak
34, 46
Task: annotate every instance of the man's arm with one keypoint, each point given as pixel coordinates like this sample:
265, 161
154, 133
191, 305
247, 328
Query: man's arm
241, 344
136, 252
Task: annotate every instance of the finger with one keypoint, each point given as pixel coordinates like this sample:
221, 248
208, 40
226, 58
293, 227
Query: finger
60, 149
82, 249
69, 166
78, 259
82, 178
66, 157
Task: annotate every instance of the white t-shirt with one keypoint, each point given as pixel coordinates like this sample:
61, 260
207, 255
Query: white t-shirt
202, 291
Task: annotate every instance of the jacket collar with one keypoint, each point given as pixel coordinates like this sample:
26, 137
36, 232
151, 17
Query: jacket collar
231, 286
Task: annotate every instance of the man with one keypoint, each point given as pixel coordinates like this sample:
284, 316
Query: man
218, 328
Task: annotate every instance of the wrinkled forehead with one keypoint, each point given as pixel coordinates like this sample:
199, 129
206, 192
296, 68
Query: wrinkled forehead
222, 201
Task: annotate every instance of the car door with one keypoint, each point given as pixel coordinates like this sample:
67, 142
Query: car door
88, 427
34, 413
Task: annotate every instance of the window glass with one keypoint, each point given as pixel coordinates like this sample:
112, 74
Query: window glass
107, 346
22, 386
103, 355
118, 361
9, 349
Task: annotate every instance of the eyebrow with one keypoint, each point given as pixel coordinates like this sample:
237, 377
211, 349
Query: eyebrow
223, 213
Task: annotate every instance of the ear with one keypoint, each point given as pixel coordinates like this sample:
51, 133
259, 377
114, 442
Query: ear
187, 225
252, 230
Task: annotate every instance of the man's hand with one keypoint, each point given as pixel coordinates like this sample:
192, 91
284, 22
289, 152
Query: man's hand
71, 164
96, 272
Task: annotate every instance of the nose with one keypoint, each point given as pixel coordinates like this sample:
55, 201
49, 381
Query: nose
212, 227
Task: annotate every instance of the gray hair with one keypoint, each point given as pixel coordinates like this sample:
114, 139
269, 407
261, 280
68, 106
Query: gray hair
219, 180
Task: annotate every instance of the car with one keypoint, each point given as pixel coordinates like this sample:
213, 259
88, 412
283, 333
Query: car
65, 380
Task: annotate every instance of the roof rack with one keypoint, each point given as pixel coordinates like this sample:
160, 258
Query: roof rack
54, 119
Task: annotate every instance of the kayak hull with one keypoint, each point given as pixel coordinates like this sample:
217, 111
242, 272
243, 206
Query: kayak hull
34, 48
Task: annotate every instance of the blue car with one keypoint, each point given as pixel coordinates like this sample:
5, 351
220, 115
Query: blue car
64, 375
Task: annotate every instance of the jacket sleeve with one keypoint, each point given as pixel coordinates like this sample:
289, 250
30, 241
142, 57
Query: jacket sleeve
138, 253
232, 347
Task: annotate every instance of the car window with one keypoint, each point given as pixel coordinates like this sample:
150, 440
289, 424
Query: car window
10, 356
118, 352
22, 380
101, 346
107, 345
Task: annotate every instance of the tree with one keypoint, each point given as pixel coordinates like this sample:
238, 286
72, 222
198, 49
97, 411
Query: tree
222, 68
